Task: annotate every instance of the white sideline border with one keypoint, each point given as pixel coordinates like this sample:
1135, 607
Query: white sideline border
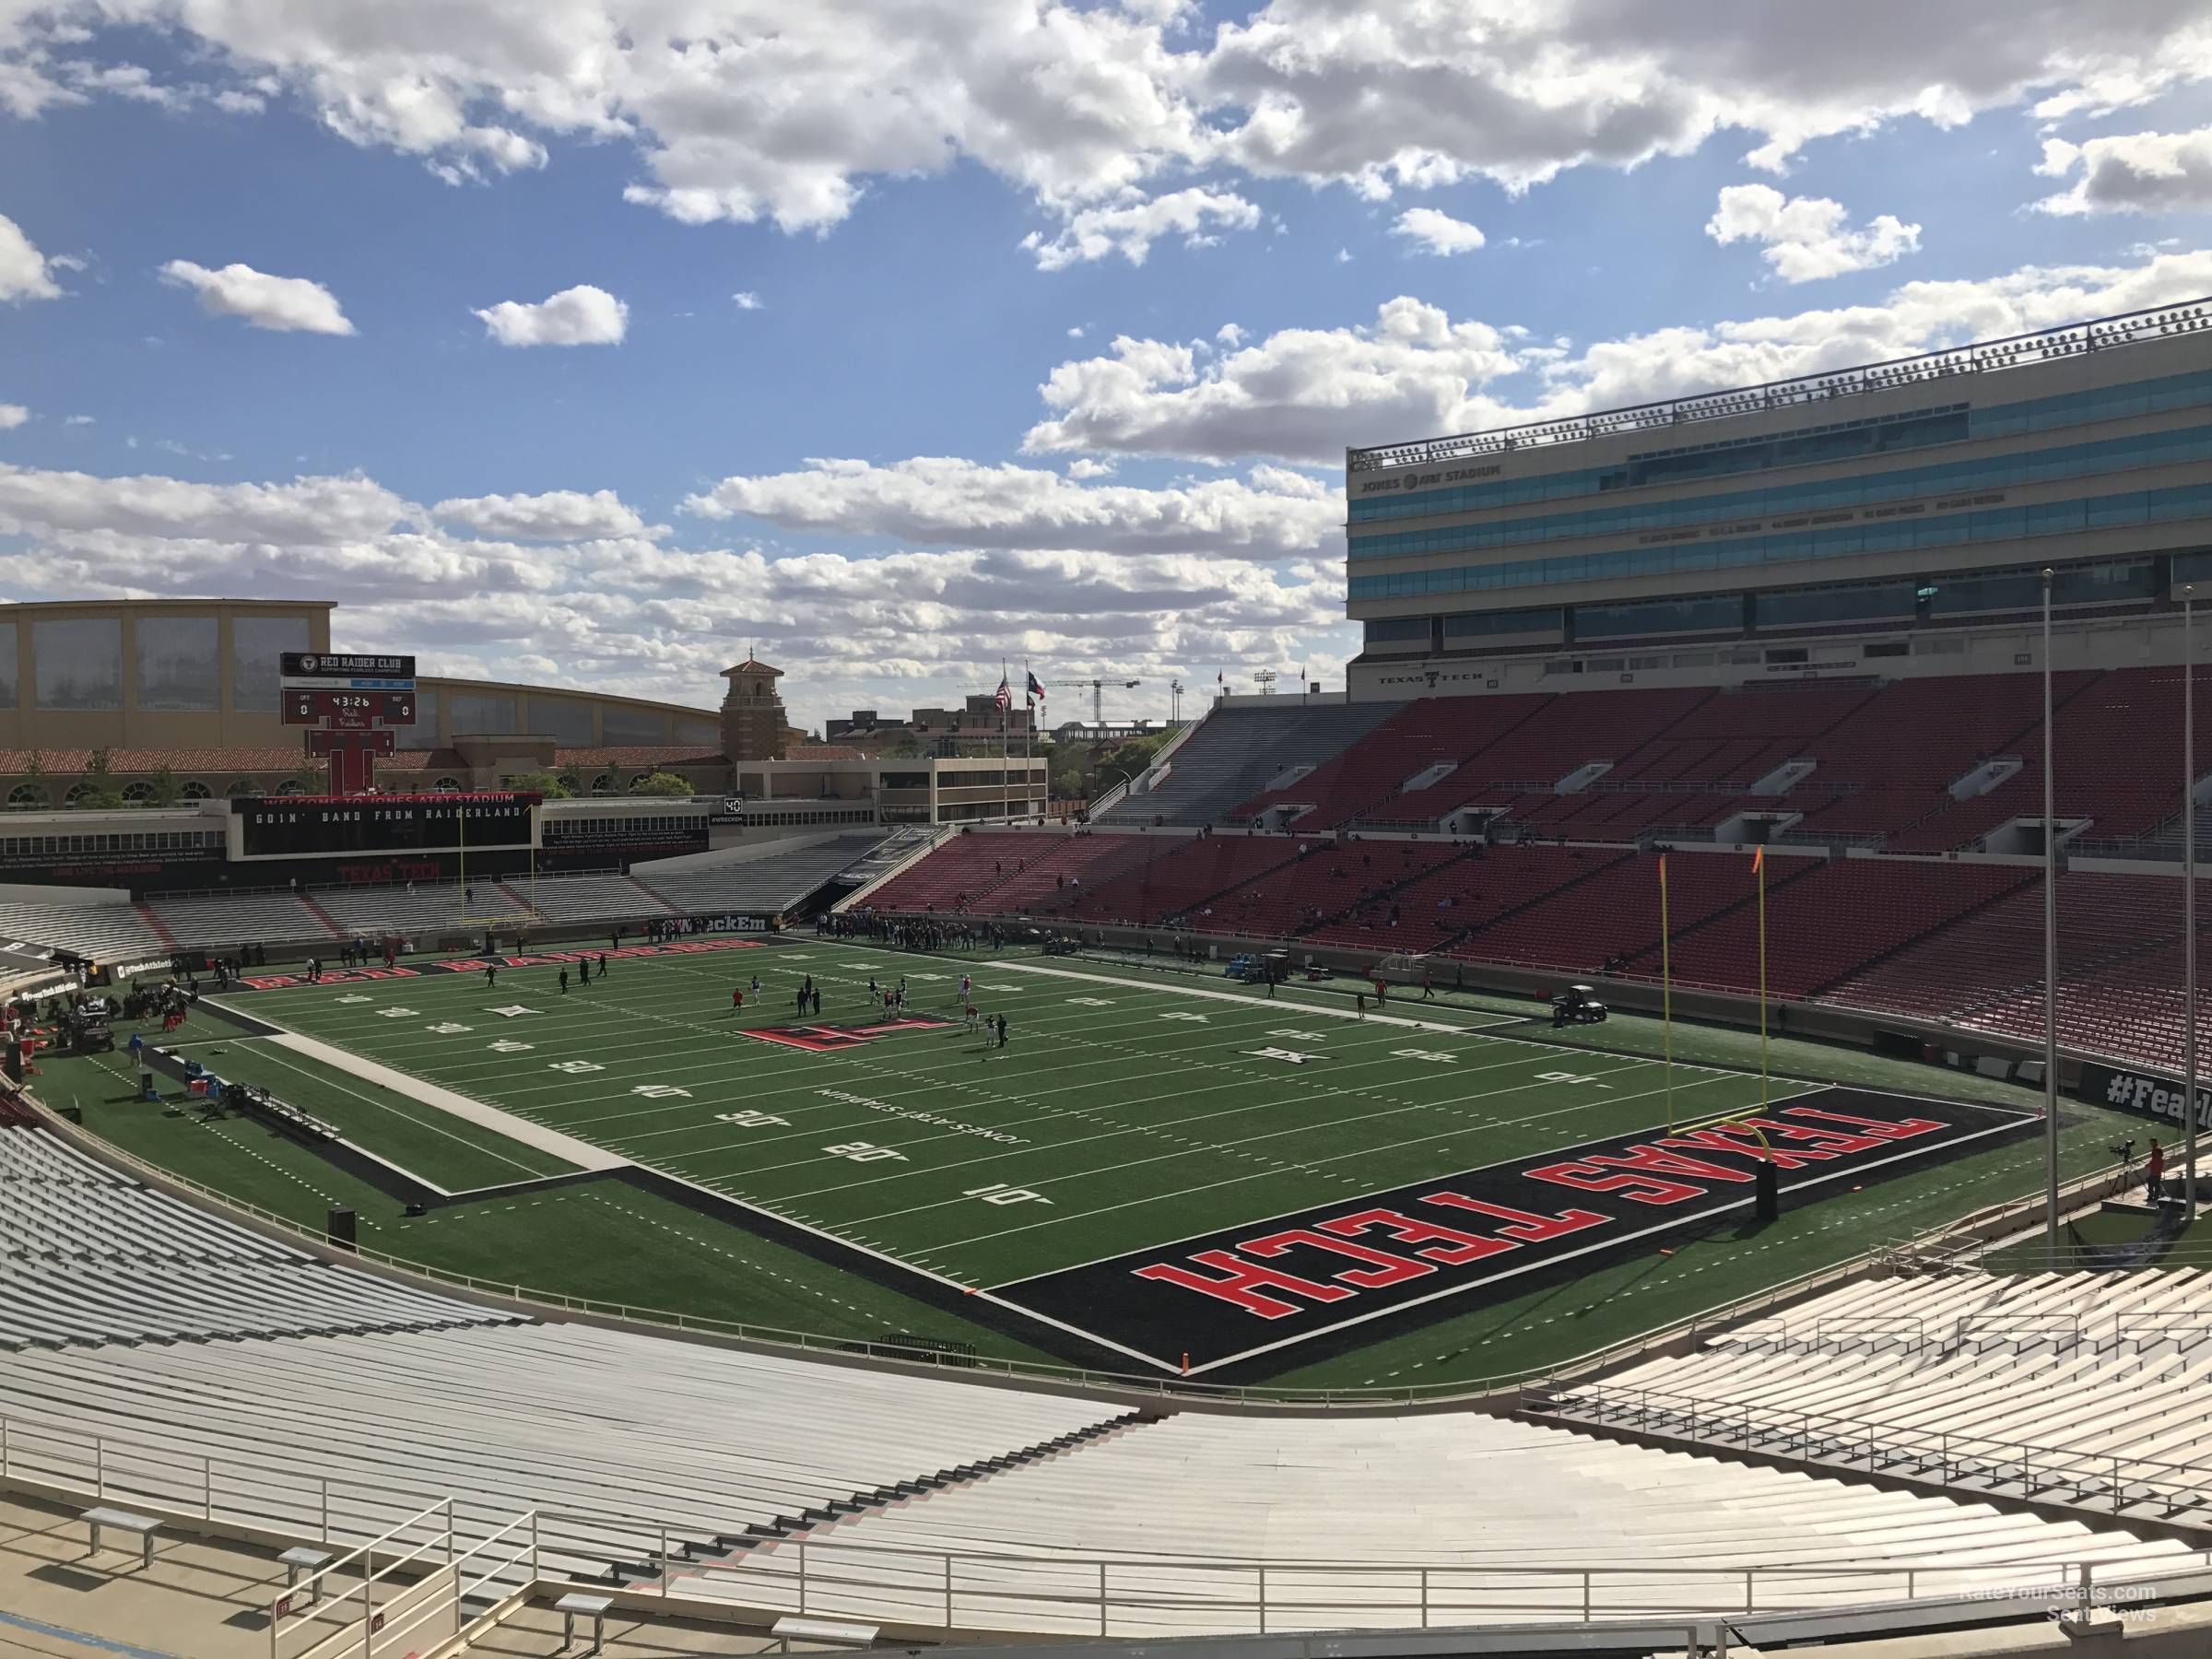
581, 1153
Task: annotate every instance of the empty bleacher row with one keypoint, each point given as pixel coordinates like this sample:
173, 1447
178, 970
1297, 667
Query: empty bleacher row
1236, 752
1926, 765
769, 884
1579, 910
89, 1257
2069, 1387
2119, 962
1344, 1513
645, 1453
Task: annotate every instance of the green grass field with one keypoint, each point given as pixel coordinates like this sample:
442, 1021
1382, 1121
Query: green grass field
1130, 1108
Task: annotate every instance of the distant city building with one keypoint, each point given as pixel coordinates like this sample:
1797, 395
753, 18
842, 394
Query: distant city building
936, 730
1112, 731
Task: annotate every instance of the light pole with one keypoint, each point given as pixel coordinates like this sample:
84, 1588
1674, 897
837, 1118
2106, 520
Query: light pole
2189, 901
2050, 955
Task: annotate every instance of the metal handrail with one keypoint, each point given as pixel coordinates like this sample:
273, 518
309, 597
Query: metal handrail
1854, 1441
2012, 351
426, 1540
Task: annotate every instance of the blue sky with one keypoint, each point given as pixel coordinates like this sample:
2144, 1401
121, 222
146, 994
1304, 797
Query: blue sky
245, 251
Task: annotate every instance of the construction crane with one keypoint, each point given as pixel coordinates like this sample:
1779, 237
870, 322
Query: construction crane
1097, 693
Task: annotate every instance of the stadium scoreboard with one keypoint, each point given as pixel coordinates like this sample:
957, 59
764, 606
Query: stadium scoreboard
319, 826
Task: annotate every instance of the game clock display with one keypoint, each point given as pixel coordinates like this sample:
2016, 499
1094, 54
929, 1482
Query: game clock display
298, 826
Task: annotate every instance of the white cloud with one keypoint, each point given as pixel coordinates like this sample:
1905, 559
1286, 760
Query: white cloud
77, 421
1302, 393
558, 515
1230, 334
630, 614
1085, 468
747, 300
285, 304
1075, 332
747, 109
1807, 238
1343, 256
2140, 173
25, 273
944, 500
578, 316
1437, 232
1130, 226
12, 415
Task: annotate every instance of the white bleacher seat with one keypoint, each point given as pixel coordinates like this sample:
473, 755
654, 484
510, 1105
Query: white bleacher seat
231, 1376
769, 885
222, 921
104, 933
2082, 1368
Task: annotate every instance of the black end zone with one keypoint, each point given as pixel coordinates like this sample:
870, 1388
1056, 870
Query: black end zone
1246, 1302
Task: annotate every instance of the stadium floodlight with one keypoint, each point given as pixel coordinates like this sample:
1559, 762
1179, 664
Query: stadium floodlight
2189, 901
2050, 955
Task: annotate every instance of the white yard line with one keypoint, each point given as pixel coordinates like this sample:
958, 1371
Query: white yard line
581, 1153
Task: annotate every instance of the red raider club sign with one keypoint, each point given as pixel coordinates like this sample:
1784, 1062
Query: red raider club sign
1473, 1237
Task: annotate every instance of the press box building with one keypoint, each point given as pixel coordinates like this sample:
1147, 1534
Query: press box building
1890, 520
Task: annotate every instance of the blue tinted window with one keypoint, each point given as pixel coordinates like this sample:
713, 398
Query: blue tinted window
1663, 616
1504, 622
1993, 472
1906, 531
1796, 607
1397, 630
1842, 440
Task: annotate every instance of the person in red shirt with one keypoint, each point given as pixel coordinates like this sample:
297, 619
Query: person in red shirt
736, 999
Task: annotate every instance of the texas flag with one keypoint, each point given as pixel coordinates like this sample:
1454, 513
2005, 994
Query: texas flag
1036, 692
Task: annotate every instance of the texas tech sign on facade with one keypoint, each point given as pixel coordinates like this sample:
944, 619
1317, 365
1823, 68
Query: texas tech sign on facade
1479, 1236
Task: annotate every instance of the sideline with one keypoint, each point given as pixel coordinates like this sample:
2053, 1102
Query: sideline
581, 1153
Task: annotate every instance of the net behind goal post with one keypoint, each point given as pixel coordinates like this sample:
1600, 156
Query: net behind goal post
1403, 962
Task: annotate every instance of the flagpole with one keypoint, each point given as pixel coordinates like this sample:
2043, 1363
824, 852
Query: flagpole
1667, 992
1028, 721
1005, 712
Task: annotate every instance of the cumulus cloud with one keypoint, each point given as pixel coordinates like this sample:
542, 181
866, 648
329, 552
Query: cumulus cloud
583, 315
12, 415
747, 301
944, 500
558, 515
627, 613
1807, 238
745, 110
1130, 227
1434, 232
2140, 173
1415, 371
25, 273
285, 304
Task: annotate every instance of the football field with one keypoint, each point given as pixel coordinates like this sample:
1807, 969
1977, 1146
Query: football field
1185, 1175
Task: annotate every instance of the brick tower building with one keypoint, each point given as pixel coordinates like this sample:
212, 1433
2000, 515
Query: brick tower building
753, 720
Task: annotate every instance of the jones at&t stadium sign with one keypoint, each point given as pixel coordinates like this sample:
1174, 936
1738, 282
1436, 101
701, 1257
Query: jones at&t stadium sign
1245, 1291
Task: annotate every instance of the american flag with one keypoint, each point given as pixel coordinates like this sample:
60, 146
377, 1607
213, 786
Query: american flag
1005, 693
